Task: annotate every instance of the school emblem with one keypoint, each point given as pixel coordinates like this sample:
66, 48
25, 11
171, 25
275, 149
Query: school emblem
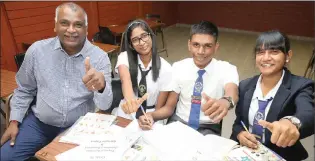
198, 87
259, 116
142, 89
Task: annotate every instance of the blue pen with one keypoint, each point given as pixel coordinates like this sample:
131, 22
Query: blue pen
248, 131
144, 113
244, 126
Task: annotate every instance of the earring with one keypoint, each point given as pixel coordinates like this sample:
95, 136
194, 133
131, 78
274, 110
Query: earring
287, 60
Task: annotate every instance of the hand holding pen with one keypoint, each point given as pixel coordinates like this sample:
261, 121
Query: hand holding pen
247, 139
146, 120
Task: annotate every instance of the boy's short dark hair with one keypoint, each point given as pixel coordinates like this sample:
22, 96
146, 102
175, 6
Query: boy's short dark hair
205, 27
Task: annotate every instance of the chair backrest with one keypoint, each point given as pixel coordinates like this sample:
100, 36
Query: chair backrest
106, 36
117, 94
122, 41
25, 46
19, 59
154, 16
8, 108
310, 68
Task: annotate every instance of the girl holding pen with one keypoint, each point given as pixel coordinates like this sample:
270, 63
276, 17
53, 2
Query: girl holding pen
144, 74
276, 105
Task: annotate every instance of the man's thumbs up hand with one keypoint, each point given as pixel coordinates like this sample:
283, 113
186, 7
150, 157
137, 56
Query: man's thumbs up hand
93, 80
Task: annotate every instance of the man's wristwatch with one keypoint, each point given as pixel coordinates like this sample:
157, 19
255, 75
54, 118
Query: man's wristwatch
295, 121
230, 100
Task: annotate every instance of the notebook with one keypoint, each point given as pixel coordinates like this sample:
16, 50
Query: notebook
177, 141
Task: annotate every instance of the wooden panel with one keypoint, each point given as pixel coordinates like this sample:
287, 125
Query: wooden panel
8, 46
31, 37
117, 14
101, 4
294, 18
2, 60
20, 47
93, 19
31, 21
33, 28
167, 10
31, 12
147, 7
25, 5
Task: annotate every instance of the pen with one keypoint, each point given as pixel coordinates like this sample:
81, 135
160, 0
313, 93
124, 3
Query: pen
144, 113
244, 126
247, 129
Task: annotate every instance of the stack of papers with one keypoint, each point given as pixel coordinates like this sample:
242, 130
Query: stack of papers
104, 147
177, 141
91, 125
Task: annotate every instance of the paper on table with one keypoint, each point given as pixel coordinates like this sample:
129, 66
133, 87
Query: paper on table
134, 126
215, 147
261, 153
177, 141
92, 124
101, 148
173, 141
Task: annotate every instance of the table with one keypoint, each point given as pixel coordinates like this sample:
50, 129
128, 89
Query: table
111, 50
117, 30
108, 48
54, 148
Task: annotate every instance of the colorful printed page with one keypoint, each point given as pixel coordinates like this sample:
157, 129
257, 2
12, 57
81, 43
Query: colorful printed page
244, 153
91, 125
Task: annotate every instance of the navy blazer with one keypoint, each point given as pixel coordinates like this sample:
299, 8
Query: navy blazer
293, 98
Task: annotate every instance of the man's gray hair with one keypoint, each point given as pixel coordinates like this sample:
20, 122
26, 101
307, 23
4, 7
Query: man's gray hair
74, 7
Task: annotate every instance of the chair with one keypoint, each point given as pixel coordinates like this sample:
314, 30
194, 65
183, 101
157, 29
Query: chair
7, 119
25, 46
19, 59
122, 41
157, 18
310, 69
7, 110
117, 94
104, 36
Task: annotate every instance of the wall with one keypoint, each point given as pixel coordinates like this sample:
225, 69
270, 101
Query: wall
118, 13
31, 21
27, 22
294, 18
8, 45
167, 10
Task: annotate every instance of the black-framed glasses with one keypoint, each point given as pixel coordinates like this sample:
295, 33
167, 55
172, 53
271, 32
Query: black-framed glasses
144, 37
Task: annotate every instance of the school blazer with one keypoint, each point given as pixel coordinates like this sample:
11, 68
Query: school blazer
295, 97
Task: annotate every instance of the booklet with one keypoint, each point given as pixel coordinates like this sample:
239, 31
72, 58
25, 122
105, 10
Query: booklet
88, 126
105, 147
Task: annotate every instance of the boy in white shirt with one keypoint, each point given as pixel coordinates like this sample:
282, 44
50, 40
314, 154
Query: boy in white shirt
204, 89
